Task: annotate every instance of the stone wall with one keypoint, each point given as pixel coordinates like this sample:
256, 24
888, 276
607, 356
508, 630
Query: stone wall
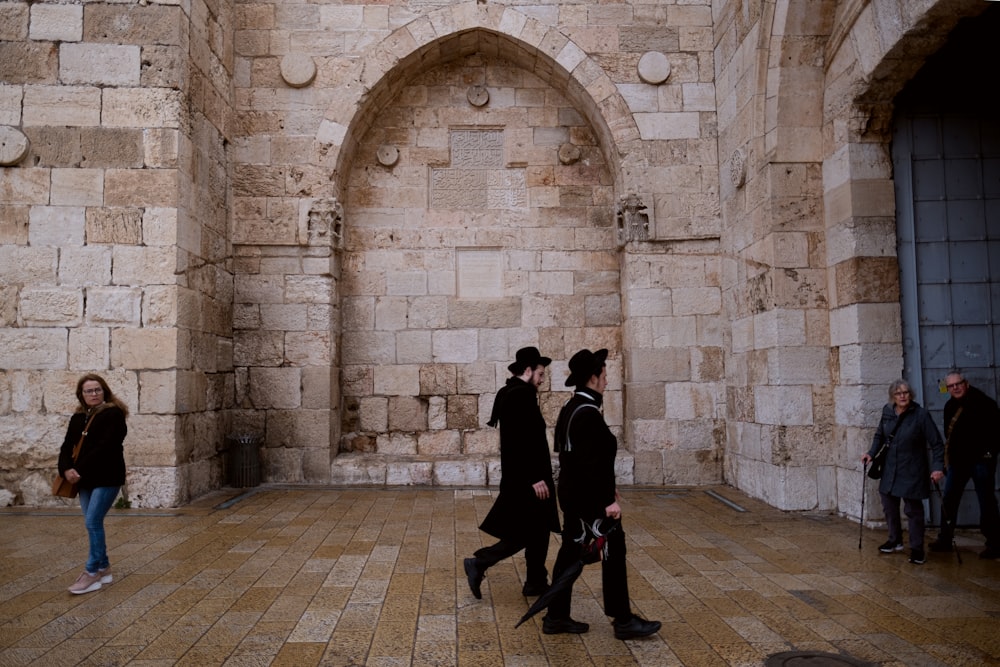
334, 224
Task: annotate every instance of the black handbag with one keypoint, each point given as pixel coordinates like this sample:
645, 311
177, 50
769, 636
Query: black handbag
878, 461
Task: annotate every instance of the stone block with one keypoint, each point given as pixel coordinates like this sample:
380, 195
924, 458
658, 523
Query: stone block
23, 186
413, 347
799, 365
866, 280
144, 348
696, 300
77, 187
865, 323
56, 23
368, 347
258, 348
56, 226
463, 411
437, 380
437, 412
602, 310
133, 24
111, 225
390, 313
159, 305
663, 365
141, 188
651, 302
14, 225
787, 406
492, 313
308, 348
28, 63
455, 346
668, 125
308, 289
73, 106
373, 413
645, 401
396, 380
141, 265
158, 392
428, 312
88, 348
10, 105
478, 378
162, 67
14, 21
33, 348
99, 65
114, 306
482, 442
142, 107
52, 307
409, 473
460, 473
275, 388
396, 444
439, 443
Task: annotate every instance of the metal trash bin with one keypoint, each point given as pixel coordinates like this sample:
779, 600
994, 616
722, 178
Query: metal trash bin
243, 459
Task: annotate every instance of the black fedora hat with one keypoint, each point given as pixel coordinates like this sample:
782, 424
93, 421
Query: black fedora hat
527, 357
583, 365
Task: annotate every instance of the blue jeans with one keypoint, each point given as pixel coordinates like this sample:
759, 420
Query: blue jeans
95, 504
983, 476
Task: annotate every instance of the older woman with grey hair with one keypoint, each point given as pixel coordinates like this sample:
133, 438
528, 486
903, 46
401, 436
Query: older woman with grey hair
909, 432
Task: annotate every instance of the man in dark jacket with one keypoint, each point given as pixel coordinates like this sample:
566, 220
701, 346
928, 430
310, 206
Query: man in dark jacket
971, 419
588, 495
525, 509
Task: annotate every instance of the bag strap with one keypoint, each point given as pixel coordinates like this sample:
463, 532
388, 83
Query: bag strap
79, 445
947, 433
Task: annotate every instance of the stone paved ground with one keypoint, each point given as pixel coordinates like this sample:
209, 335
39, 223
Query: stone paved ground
346, 576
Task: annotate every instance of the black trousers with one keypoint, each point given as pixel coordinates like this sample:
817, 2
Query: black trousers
614, 576
983, 476
536, 550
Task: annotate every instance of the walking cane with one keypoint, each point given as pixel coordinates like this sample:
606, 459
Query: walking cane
948, 521
861, 521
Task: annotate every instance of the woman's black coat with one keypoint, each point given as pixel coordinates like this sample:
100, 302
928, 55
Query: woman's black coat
907, 471
524, 460
102, 457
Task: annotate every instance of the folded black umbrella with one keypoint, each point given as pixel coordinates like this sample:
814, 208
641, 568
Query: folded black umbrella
594, 540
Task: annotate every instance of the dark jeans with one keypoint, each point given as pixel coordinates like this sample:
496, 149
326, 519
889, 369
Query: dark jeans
614, 577
536, 550
914, 508
983, 476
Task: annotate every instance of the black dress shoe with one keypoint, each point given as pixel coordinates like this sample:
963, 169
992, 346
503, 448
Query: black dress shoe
530, 590
558, 626
475, 576
635, 627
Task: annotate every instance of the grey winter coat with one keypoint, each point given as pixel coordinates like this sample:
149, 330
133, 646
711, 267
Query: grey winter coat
907, 471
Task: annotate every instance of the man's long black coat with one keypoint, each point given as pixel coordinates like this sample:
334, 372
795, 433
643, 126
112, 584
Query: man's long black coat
524, 460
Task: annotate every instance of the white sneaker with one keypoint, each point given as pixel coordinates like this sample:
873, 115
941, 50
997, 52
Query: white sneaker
105, 575
85, 583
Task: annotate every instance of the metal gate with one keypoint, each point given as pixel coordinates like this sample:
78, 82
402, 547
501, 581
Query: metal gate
947, 178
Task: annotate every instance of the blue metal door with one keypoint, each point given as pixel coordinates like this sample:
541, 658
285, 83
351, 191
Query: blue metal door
947, 177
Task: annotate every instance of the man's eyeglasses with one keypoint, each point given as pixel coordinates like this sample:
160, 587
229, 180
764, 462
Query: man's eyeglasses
955, 385
93, 391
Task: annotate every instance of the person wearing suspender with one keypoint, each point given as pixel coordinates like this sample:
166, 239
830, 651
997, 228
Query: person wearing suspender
588, 494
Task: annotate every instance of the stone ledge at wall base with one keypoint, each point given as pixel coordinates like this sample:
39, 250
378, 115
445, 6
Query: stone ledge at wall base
354, 468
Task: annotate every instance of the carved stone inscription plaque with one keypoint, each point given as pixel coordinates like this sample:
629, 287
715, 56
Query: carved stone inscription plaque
476, 178
479, 273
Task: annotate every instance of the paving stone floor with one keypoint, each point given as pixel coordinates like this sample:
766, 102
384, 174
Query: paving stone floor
348, 576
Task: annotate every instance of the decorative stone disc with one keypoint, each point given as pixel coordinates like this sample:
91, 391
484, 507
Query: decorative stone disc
478, 96
654, 67
13, 145
298, 70
387, 155
569, 153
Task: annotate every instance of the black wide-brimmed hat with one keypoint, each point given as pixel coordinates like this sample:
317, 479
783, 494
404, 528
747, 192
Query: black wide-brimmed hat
527, 357
584, 364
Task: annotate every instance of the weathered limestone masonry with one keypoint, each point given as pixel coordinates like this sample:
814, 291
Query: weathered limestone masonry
115, 253
334, 224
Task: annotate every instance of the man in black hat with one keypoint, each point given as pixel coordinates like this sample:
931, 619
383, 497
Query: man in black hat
525, 509
588, 495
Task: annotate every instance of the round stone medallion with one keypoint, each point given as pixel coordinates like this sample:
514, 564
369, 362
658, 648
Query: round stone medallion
387, 155
654, 67
13, 145
478, 96
298, 70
